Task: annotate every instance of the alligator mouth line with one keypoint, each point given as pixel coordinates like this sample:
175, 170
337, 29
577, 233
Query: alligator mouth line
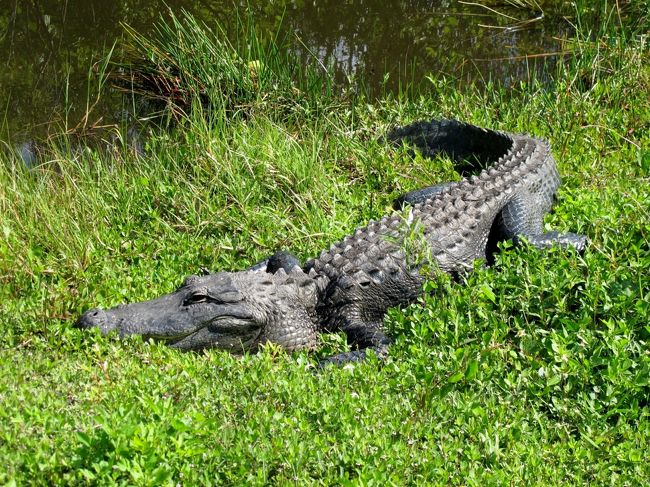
170, 339
237, 325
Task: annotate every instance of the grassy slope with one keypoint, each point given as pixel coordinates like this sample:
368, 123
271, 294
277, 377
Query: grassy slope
537, 370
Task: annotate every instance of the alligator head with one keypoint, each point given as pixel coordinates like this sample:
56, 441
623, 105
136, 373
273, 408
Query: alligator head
236, 311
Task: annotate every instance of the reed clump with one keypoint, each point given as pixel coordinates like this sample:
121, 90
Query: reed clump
187, 65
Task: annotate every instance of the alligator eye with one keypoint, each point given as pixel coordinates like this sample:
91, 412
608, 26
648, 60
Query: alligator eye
195, 299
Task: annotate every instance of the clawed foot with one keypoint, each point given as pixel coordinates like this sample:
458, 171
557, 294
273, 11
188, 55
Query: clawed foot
381, 352
551, 239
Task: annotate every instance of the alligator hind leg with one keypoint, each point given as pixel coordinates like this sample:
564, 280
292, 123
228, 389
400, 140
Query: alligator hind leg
523, 217
550, 239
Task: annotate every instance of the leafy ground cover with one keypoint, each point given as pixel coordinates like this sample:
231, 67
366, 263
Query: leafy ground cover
535, 370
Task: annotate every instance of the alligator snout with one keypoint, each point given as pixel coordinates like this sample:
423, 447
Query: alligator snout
94, 318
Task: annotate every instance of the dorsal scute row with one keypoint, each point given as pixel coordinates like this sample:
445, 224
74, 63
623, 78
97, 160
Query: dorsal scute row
489, 180
355, 250
465, 200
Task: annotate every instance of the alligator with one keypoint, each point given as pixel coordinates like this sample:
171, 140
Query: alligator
351, 285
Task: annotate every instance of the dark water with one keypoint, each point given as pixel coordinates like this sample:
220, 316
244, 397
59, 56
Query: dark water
47, 47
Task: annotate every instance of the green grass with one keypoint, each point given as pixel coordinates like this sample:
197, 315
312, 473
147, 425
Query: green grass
533, 371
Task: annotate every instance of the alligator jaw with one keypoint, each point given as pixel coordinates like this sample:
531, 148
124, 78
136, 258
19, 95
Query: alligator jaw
239, 338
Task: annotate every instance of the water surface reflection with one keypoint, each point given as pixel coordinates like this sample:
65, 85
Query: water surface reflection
49, 45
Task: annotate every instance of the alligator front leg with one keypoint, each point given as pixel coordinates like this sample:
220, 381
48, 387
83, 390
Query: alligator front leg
280, 260
420, 195
365, 337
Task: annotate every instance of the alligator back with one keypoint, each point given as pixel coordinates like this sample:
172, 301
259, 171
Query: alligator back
380, 265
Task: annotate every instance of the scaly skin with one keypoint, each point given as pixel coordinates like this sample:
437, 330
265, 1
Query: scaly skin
350, 286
